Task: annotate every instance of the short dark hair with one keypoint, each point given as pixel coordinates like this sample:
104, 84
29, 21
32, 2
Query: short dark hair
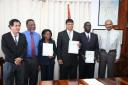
69, 20
46, 30
11, 22
86, 24
28, 20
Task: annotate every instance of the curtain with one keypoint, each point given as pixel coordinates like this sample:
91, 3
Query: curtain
48, 14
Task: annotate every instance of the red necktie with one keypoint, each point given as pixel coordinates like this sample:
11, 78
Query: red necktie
33, 45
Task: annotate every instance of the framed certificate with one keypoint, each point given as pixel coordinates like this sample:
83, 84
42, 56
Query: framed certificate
108, 9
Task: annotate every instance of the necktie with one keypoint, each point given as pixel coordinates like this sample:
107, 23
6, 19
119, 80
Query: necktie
33, 45
108, 42
88, 37
69, 34
16, 42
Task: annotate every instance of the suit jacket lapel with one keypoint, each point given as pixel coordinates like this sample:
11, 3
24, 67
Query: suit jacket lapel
74, 36
66, 35
20, 38
85, 37
91, 37
12, 42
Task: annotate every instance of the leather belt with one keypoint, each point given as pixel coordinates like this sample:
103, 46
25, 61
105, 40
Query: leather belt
112, 50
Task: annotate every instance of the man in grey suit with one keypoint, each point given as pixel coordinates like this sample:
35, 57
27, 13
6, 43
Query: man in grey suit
110, 46
68, 62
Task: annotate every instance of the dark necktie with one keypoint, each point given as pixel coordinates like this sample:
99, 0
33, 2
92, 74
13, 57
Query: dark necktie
33, 45
88, 37
16, 42
69, 34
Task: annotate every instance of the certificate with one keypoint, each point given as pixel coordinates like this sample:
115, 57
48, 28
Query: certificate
93, 82
89, 57
47, 49
73, 47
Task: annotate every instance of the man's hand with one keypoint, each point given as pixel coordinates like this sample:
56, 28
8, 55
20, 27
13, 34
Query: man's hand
78, 45
50, 57
18, 61
60, 61
117, 60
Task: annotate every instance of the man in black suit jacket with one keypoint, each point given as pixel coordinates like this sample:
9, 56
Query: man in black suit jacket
89, 42
14, 48
68, 62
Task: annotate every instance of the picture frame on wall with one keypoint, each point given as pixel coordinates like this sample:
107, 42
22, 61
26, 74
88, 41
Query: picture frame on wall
108, 9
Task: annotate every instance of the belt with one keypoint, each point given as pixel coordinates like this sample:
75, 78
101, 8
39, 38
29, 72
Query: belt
31, 57
112, 50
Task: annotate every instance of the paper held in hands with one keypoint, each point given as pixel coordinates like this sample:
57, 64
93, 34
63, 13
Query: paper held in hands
47, 49
89, 56
93, 82
73, 47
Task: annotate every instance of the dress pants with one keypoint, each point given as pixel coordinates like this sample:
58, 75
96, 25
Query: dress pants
107, 59
13, 72
68, 72
86, 70
31, 71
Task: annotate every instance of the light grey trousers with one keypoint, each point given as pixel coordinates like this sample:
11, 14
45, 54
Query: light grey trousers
106, 59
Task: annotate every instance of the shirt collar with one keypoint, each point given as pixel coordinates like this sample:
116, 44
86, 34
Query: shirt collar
14, 35
69, 31
87, 33
30, 32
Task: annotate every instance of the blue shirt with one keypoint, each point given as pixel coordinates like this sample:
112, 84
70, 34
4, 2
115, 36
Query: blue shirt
36, 41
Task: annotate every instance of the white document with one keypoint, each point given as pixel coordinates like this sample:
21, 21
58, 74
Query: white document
47, 49
93, 82
89, 57
73, 47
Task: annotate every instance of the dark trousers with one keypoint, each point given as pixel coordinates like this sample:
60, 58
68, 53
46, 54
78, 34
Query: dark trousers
13, 72
47, 72
31, 71
68, 72
107, 59
86, 70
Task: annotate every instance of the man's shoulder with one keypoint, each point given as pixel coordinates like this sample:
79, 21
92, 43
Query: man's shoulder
76, 32
82, 33
27, 32
115, 31
6, 34
61, 32
22, 34
94, 34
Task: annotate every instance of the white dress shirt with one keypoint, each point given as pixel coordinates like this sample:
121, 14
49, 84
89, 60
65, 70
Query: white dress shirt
70, 34
114, 43
88, 35
15, 36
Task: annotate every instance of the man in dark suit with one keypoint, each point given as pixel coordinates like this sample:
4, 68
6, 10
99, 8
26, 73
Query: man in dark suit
14, 46
68, 62
89, 42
